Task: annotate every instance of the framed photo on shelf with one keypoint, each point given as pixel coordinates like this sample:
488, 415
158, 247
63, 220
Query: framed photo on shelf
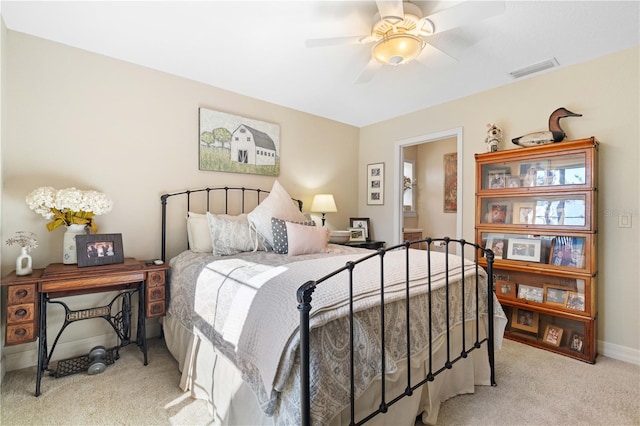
527, 292
575, 301
375, 184
529, 173
524, 249
554, 295
356, 234
506, 289
498, 246
523, 213
513, 182
99, 249
576, 342
497, 212
361, 222
524, 319
567, 251
552, 335
498, 178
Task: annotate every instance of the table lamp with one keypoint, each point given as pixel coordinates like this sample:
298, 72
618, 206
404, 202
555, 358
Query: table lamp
323, 203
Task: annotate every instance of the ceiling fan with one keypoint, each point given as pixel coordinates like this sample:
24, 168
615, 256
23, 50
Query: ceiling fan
400, 32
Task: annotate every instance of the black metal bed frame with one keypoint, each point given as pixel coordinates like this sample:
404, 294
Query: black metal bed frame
207, 192
304, 306
304, 297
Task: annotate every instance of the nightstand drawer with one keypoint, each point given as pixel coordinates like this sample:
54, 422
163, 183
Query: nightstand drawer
25, 293
20, 333
156, 278
20, 313
155, 309
155, 293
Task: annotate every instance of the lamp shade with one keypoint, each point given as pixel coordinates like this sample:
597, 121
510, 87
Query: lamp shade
397, 49
323, 203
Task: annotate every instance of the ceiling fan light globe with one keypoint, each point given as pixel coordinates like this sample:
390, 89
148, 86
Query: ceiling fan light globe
398, 49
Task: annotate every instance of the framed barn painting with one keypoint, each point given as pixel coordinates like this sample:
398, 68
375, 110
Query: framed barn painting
230, 143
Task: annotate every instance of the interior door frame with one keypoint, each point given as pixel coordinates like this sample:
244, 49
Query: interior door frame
397, 182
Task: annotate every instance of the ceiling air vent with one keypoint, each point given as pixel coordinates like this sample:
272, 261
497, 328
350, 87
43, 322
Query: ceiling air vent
534, 68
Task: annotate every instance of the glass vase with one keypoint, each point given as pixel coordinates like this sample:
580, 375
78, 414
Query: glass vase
69, 253
24, 263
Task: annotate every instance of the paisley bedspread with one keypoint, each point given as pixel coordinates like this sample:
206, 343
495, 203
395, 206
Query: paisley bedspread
261, 337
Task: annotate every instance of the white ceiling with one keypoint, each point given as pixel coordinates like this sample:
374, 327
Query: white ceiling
258, 48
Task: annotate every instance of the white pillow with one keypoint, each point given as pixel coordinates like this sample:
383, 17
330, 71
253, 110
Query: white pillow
278, 204
198, 233
304, 239
230, 234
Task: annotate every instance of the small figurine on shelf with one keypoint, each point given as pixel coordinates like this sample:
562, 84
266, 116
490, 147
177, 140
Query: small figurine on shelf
494, 137
24, 263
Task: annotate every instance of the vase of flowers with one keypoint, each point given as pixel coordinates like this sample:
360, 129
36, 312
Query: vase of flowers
70, 207
27, 242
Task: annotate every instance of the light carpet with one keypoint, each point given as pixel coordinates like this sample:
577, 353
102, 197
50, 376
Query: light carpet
535, 387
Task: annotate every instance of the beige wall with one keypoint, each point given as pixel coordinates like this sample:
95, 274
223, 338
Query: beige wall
606, 92
75, 118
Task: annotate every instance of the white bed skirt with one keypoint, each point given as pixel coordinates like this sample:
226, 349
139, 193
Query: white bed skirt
212, 377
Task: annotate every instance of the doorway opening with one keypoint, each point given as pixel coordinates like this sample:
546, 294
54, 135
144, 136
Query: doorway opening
408, 209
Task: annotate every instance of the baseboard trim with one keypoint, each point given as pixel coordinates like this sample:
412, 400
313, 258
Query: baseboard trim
621, 353
29, 358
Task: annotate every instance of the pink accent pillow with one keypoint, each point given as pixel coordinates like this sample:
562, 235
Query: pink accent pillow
304, 239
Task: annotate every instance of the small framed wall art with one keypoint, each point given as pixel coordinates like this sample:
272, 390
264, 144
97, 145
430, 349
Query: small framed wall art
99, 249
375, 184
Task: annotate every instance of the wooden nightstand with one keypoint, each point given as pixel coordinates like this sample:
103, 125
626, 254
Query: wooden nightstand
28, 297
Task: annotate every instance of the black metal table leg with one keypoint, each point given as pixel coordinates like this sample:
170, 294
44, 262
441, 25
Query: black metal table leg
42, 341
141, 334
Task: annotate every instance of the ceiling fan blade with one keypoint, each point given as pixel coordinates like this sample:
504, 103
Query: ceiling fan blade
369, 71
392, 11
333, 41
466, 13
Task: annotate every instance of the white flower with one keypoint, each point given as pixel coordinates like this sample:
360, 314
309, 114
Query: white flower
68, 206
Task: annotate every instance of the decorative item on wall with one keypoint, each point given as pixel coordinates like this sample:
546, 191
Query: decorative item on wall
229, 143
494, 137
27, 242
70, 207
451, 182
555, 133
375, 184
99, 249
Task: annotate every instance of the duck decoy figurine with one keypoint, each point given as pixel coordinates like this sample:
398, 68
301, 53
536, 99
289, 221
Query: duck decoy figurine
555, 133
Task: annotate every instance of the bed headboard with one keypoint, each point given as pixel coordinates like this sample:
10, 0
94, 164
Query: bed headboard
227, 200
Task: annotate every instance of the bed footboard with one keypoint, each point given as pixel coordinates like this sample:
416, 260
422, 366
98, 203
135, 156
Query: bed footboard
304, 297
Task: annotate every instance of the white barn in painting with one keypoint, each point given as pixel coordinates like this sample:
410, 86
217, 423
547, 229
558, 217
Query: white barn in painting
251, 146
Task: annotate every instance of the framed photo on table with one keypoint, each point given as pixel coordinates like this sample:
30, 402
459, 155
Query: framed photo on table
506, 289
375, 184
356, 234
361, 222
554, 295
99, 249
527, 292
